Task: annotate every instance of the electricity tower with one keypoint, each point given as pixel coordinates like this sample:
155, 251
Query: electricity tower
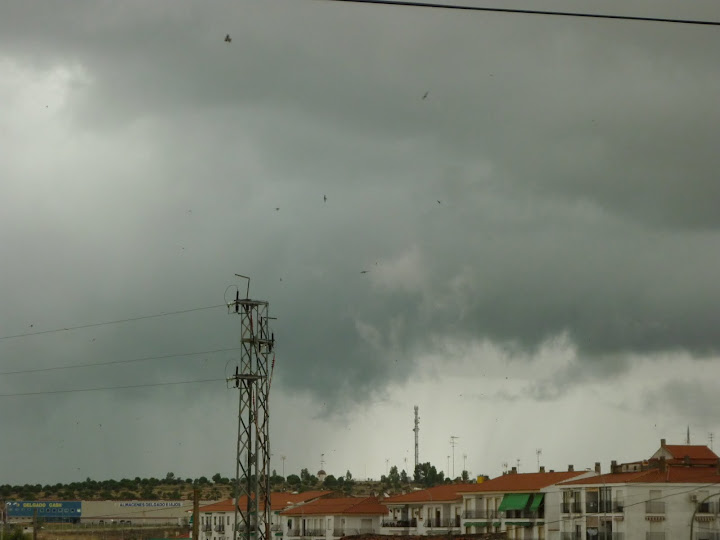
253, 377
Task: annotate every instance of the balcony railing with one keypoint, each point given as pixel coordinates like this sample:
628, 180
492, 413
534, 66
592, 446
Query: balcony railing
313, 532
356, 532
443, 523
571, 508
207, 528
708, 535
654, 536
293, 532
604, 507
275, 527
337, 533
604, 535
570, 536
220, 528
523, 514
655, 507
480, 514
400, 523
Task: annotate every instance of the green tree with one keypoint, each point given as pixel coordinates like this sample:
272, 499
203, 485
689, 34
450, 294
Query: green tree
404, 477
465, 476
170, 477
330, 481
217, 477
394, 477
427, 475
294, 480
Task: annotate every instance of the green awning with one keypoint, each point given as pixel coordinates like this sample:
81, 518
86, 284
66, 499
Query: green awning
477, 524
537, 499
519, 523
514, 501
496, 524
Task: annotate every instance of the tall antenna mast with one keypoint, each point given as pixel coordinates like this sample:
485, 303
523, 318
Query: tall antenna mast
538, 453
417, 433
711, 436
453, 438
688, 435
252, 377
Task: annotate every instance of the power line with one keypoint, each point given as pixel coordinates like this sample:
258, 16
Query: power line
92, 325
402, 3
78, 390
111, 362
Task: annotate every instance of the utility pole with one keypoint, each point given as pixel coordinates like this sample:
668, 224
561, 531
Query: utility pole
283, 460
35, 524
538, 453
253, 377
453, 438
464, 462
196, 514
448, 467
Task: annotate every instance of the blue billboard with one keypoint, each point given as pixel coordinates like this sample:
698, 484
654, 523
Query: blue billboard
50, 511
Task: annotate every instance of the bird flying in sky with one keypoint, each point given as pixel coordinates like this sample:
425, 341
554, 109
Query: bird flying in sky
228, 39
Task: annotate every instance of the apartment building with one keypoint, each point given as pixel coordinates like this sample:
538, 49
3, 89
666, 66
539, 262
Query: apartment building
332, 518
428, 511
672, 495
520, 504
218, 519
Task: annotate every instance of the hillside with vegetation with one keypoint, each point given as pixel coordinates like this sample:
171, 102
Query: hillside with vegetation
219, 487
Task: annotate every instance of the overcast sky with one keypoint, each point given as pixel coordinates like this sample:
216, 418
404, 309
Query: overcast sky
542, 232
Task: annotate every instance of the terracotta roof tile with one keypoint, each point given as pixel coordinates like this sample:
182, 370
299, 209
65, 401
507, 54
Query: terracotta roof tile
278, 501
339, 506
693, 451
446, 492
509, 483
220, 506
679, 475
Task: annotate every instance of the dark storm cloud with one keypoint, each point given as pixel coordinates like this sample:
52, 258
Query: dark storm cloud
575, 164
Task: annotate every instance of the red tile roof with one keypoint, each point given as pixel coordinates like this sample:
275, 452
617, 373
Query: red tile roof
445, 492
693, 451
518, 482
278, 501
220, 506
677, 475
339, 506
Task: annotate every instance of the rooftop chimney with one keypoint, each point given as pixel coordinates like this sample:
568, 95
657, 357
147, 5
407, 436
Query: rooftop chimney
552, 470
663, 464
571, 468
597, 467
662, 443
613, 466
542, 467
513, 470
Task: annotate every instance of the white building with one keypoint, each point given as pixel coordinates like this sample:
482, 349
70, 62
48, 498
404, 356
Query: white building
218, 519
428, 511
522, 504
329, 518
662, 498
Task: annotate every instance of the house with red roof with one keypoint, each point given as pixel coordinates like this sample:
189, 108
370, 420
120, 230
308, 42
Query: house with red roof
434, 510
520, 504
333, 517
669, 496
217, 520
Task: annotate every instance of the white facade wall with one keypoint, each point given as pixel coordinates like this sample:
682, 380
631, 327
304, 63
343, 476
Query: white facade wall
219, 525
136, 512
424, 518
667, 516
329, 527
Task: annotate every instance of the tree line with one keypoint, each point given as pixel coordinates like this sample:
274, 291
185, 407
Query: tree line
174, 487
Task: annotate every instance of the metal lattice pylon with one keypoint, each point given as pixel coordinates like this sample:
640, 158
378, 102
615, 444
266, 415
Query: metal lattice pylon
252, 377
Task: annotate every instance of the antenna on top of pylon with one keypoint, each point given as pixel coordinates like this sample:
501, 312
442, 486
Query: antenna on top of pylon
247, 291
